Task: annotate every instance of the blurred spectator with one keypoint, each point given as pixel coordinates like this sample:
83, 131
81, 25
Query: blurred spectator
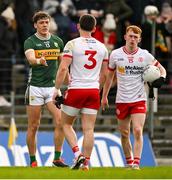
109, 27
53, 26
4, 4
137, 7
94, 7
162, 36
8, 47
24, 11
166, 16
106, 34
60, 11
50, 6
150, 16
121, 12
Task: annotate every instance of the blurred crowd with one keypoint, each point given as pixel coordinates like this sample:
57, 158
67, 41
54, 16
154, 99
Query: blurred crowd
153, 16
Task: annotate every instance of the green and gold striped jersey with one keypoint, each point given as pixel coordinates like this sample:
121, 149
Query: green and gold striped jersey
39, 75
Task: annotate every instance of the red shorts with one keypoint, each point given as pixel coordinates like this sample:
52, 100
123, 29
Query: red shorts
125, 109
83, 98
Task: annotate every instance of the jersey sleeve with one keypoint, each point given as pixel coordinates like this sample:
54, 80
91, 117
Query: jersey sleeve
150, 59
112, 61
68, 49
28, 45
106, 57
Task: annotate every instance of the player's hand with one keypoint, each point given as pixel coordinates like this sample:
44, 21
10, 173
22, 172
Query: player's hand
104, 103
58, 101
58, 98
158, 82
43, 61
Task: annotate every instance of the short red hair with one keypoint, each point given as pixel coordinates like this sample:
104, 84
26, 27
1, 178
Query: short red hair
134, 28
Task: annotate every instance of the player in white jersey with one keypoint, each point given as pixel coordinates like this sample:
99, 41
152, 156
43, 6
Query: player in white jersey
87, 59
128, 63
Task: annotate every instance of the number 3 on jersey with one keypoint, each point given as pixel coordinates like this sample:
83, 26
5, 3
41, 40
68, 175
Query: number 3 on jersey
91, 58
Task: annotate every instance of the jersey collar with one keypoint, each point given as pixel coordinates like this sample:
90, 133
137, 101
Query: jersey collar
130, 53
43, 38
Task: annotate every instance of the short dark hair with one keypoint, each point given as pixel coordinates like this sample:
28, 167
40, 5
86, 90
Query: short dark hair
40, 15
87, 22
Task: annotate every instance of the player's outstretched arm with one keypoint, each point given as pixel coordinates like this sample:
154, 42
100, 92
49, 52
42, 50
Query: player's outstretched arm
30, 55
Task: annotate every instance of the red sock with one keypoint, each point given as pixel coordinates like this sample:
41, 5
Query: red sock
129, 160
87, 160
136, 160
76, 151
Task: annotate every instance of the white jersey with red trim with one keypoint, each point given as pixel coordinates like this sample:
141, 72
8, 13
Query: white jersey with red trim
87, 56
129, 68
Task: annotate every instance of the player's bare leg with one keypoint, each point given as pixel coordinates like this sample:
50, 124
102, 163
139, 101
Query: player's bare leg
71, 137
88, 122
124, 128
138, 121
58, 134
34, 115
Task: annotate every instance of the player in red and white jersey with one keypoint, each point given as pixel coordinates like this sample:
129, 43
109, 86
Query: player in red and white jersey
129, 68
88, 55
127, 64
87, 59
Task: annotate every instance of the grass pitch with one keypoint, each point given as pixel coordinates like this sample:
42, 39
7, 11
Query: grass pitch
93, 173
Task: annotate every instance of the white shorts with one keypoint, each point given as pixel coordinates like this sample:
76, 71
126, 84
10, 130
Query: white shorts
71, 111
38, 95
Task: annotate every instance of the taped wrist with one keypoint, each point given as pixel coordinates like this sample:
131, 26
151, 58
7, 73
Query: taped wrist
38, 61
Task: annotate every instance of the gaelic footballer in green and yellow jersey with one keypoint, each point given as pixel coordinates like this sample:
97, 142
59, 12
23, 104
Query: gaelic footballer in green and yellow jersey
51, 48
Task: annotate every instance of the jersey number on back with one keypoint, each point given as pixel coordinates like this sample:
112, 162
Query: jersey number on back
91, 58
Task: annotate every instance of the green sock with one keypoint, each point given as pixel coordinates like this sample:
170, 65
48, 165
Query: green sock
32, 159
57, 155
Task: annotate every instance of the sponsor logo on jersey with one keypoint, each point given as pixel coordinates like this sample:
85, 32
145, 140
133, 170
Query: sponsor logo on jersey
120, 59
66, 51
121, 69
56, 44
50, 54
134, 70
38, 45
90, 40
